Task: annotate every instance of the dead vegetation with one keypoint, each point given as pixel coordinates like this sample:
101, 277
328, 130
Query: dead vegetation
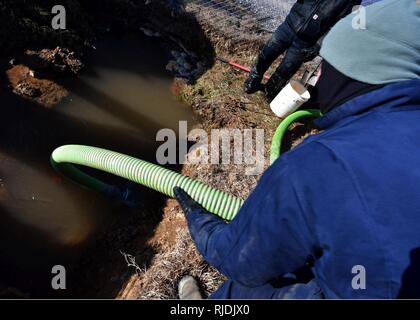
161, 279
218, 100
175, 257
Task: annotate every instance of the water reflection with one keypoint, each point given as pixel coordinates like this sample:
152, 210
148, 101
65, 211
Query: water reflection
119, 104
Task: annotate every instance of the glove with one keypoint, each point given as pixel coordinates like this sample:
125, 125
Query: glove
187, 203
201, 223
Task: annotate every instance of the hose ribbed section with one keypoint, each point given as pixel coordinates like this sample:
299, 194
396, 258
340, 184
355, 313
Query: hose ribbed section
147, 174
282, 129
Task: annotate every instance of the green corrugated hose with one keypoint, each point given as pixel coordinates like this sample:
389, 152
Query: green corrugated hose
153, 176
142, 172
284, 125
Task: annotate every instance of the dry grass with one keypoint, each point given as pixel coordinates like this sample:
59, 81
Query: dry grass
226, 32
219, 101
160, 281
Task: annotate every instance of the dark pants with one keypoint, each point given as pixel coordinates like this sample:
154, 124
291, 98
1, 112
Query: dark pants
234, 290
298, 52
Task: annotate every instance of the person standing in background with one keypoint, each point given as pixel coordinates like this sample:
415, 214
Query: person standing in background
306, 23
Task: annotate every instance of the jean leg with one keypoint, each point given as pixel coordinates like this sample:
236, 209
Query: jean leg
279, 42
298, 53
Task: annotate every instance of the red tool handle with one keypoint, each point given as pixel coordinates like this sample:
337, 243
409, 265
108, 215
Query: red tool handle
238, 66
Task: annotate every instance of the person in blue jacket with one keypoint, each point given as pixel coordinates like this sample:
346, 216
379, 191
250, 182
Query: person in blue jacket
338, 216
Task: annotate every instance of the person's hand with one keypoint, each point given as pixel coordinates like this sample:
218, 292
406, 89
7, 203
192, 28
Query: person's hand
187, 203
202, 224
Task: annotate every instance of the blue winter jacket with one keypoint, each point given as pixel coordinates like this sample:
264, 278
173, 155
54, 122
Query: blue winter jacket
348, 197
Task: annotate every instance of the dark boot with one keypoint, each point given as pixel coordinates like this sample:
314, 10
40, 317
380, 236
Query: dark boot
274, 86
253, 83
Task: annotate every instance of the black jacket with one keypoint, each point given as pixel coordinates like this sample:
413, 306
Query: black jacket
311, 19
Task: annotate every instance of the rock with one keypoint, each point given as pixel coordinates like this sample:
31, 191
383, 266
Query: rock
26, 89
184, 65
59, 59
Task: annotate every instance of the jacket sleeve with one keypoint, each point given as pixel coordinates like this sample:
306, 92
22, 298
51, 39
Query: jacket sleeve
322, 17
268, 238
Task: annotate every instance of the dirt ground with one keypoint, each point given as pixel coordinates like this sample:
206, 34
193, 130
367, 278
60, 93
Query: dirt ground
218, 101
